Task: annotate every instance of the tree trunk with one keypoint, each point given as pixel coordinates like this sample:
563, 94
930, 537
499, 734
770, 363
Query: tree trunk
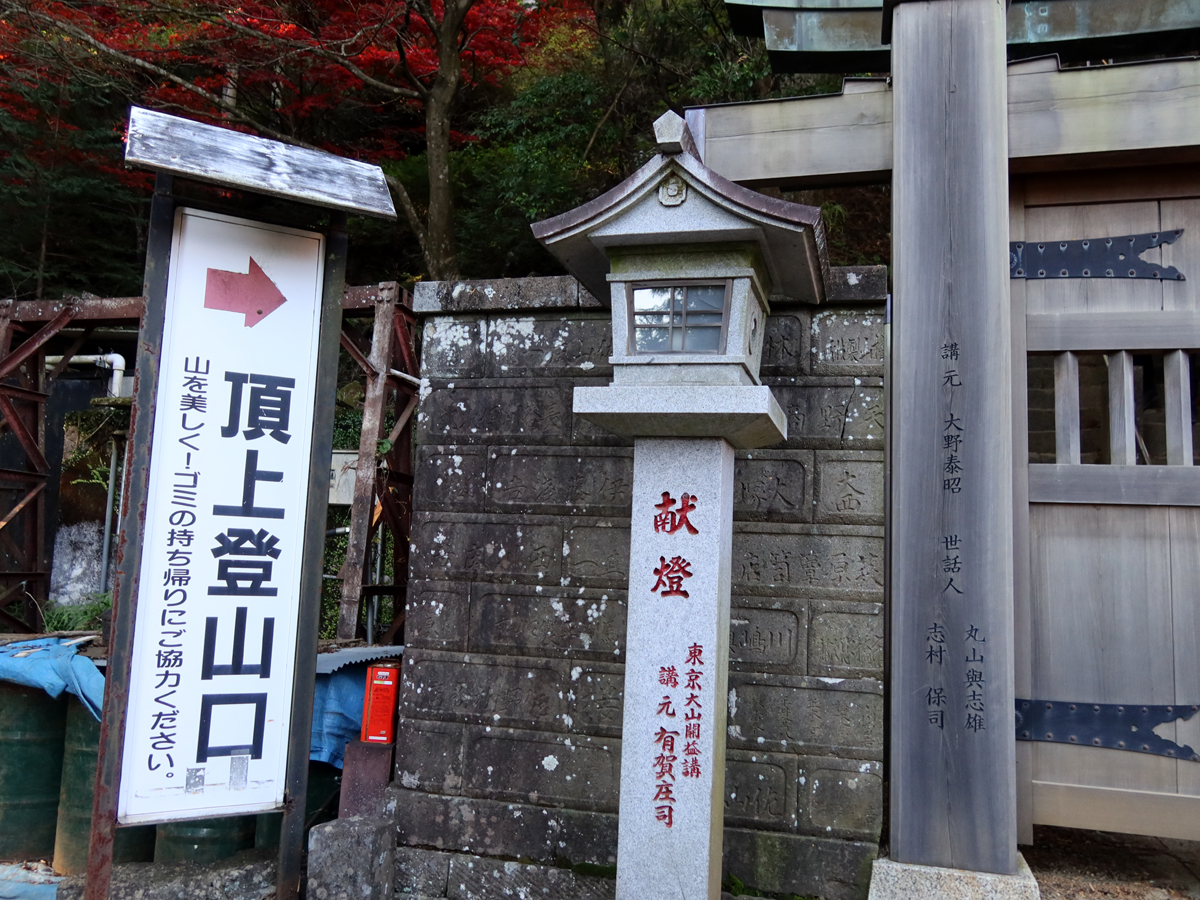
440, 258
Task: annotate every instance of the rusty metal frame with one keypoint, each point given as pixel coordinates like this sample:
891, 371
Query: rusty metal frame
127, 560
291, 835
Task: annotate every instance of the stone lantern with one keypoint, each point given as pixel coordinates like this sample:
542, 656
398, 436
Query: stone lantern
690, 262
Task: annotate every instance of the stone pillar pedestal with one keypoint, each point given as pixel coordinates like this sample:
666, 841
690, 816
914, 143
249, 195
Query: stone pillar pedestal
352, 859
892, 880
676, 667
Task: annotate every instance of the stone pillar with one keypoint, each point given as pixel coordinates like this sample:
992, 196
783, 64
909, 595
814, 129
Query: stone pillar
676, 667
952, 771
352, 859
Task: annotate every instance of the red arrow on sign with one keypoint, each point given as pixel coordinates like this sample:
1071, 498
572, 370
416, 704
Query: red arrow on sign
252, 293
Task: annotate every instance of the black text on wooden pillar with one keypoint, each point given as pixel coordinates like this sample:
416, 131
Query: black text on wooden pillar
953, 794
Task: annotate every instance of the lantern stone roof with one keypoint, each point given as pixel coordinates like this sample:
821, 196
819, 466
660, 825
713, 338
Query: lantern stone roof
674, 199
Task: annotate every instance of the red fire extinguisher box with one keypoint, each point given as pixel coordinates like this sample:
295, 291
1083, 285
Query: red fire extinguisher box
379, 704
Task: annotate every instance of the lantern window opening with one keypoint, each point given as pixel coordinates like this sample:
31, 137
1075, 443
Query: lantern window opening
678, 316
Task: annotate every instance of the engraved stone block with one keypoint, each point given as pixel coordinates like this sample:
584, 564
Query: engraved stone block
597, 698
845, 640
477, 878
850, 487
795, 864
504, 829
770, 485
760, 789
768, 636
562, 481
464, 547
504, 691
451, 478
436, 615
832, 416
579, 772
495, 411
809, 564
840, 798
597, 556
513, 692
546, 292
558, 622
847, 342
540, 346
429, 755
843, 718
454, 347
783, 351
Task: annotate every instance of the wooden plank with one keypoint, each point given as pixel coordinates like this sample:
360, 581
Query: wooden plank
1094, 116
88, 307
1113, 185
1102, 109
168, 143
1118, 485
1129, 812
952, 788
1022, 638
1177, 386
836, 138
1066, 408
1185, 618
1102, 630
1122, 415
1168, 330
1184, 254
1077, 295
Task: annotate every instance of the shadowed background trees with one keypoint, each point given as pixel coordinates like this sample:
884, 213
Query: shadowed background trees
485, 115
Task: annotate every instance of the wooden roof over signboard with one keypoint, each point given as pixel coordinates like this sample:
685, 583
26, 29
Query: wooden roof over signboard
180, 146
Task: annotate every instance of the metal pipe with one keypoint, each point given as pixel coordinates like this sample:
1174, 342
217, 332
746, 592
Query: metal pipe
114, 361
124, 464
373, 603
108, 516
405, 377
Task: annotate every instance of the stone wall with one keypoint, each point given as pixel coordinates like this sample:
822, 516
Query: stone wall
509, 739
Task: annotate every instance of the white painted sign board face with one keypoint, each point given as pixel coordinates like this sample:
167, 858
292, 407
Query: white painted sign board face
218, 597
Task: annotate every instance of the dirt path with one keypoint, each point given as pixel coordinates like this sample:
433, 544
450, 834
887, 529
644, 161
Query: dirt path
1081, 865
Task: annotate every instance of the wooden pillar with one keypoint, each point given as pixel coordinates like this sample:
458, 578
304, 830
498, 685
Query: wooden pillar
362, 508
952, 750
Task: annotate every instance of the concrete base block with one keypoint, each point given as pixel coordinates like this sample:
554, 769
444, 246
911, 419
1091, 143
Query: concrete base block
902, 881
352, 859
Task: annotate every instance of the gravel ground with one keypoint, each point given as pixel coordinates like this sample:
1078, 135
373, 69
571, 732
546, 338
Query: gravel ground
1071, 864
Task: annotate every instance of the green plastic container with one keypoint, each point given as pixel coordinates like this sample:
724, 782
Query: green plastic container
80, 750
31, 754
203, 840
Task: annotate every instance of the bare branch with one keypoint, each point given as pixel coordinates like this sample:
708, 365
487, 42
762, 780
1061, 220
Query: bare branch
410, 211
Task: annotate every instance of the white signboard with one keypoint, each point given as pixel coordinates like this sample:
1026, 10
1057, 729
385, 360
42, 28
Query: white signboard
218, 599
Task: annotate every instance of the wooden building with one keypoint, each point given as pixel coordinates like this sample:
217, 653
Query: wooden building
1100, 328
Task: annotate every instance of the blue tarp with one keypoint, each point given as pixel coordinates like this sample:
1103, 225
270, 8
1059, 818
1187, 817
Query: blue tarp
53, 664
337, 713
28, 882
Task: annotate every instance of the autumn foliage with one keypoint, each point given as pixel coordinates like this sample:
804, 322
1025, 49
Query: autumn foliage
371, 80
